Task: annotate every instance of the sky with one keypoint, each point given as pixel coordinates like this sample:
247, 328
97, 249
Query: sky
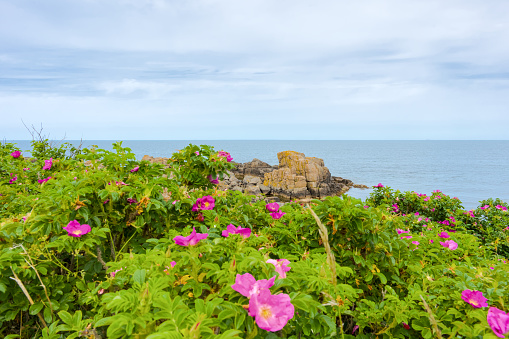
255, 69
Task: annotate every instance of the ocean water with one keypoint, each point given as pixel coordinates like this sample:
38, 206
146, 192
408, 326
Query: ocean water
469, 170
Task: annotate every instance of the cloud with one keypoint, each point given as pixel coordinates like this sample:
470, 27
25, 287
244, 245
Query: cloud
259, 64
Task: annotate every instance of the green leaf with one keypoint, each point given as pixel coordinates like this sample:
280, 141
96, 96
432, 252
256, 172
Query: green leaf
225, 314
36, 308
229, 334
382, 277
139, 276
47, 315
66, 317
103, 321
239, 319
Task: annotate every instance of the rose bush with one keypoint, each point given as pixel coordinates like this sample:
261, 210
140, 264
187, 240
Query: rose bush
112, 247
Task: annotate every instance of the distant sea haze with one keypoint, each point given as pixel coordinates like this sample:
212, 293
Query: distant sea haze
469, 170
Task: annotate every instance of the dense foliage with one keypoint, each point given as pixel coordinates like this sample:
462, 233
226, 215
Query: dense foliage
95, 243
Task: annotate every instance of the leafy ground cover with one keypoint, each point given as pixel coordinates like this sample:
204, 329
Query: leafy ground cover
96, 244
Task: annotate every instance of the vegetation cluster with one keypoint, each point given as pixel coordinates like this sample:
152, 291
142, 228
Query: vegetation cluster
96, 244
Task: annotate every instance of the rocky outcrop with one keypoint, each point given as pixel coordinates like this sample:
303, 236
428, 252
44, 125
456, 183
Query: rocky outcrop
158, 160
297, 177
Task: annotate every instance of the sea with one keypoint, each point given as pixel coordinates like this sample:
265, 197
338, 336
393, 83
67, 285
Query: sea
470, 170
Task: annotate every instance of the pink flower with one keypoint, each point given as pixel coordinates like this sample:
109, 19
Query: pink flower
430, 241
426, 199
406, 326
277, 215
205, 203
492, 268
415, 242
500, 207
474, 298
167, 270
213, 181
400, 231
132, 201
498, 321
379, 185
407, 237
197, 153
112, 274
106, 201
248, 286
40, 181
485, 207
449, 244
101, 291
136, 169
271, 312
231, 229
47, 164
355, 328
74, 229
16, 154
13, 179
281, 266
225, 154
191, 239
444, 235
416, 213
26, 169
272, 207
419, 219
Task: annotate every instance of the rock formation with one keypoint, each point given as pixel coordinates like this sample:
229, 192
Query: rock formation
297, 177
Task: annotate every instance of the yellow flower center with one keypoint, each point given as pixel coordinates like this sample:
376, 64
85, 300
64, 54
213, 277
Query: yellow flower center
473, 302
207, 204
77, 232
265, 312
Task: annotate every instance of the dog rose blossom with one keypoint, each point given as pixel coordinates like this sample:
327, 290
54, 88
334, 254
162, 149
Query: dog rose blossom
191, 239
498, 321
281, 266
452, 245
205, 203
231, 229
474, 298
74, 229
47, 164
271, 312
248, 286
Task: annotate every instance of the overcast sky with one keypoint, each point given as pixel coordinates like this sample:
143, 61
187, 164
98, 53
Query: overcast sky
255, 69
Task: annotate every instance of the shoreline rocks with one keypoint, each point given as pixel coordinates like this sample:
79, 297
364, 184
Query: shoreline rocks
297, 177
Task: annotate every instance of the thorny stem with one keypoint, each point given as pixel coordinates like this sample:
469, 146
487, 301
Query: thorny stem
100, 259
20, 284
31, 264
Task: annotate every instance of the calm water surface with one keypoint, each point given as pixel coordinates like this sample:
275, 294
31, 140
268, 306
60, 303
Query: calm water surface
469, 170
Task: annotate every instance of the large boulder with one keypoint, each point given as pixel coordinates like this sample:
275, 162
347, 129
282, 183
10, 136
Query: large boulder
298, 175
